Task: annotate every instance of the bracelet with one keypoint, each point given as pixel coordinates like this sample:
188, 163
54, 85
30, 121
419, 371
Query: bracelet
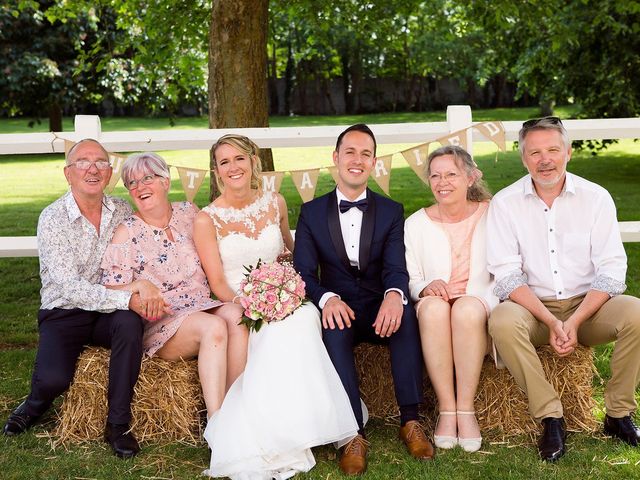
234, 298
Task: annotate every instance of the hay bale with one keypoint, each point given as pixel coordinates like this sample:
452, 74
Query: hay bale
501, 406
166, 405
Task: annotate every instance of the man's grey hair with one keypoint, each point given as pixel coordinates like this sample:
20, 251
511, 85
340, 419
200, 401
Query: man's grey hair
75, 146
547, 123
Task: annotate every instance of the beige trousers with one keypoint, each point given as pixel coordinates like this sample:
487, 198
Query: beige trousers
516, 333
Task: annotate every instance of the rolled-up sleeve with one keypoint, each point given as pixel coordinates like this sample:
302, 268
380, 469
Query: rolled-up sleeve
607, 252
504, 261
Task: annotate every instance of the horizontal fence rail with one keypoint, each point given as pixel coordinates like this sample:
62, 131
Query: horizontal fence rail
28, 246
458, 117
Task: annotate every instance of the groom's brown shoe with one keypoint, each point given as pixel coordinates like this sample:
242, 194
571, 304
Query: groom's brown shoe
354, 456
416, 441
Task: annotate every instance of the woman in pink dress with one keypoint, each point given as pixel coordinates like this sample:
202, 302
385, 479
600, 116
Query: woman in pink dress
154, 247
448, 278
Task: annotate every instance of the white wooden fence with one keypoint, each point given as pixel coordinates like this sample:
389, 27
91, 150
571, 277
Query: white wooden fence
458, 118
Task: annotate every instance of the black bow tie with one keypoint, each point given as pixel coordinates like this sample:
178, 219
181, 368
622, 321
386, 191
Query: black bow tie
345, 205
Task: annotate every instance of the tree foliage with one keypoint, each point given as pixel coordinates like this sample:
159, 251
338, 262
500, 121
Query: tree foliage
154, 54
39, 60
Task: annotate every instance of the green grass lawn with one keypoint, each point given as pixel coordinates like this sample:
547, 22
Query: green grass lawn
30, 182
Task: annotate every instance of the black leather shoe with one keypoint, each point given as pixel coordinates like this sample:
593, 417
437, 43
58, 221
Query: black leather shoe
19, 422
622, 428
122, 441
551, 444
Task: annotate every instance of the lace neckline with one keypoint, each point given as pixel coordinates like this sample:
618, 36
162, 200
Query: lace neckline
233, 214
248, 220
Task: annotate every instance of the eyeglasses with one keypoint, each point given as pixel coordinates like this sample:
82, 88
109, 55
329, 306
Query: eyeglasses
86, 164
449, 177
146, 180
534, 122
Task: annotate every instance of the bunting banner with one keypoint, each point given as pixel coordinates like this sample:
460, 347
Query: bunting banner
333, 171
416, 157
271, 181
117, 161
381, 172
493, 131
67, 146
191, 179
458, 139
306, 182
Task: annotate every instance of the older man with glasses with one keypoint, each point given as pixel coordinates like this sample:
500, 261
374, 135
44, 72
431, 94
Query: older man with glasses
555, 249
73, 233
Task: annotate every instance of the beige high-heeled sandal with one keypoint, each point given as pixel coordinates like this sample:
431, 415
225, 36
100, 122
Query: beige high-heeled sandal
444, 441
469, 444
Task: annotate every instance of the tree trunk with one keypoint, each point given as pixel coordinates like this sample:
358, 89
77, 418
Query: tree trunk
274, 103
288, 78
55, 117
237, 69
356, 81
346, 81
546, 107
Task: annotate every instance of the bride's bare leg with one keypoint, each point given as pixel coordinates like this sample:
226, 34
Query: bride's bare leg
238, 340
204, 335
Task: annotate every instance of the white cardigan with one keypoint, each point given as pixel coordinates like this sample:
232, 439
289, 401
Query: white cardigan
428, 255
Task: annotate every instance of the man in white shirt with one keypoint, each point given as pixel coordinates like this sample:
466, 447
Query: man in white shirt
554, 247
350, 253
73, 233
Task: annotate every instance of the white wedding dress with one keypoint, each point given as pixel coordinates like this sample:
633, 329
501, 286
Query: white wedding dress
289, 397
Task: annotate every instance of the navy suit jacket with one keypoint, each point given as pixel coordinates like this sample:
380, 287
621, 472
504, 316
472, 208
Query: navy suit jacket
321, 258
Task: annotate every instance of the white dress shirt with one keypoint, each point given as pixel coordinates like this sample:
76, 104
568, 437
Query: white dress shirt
71, 251
350, 226
561, 251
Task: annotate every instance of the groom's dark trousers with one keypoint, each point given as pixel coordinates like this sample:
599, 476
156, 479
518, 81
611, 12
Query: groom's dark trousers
321, 259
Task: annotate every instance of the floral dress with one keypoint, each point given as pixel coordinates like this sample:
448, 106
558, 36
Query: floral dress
173, 267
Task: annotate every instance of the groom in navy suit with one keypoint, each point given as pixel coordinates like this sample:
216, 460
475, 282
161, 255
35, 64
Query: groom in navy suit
350, 253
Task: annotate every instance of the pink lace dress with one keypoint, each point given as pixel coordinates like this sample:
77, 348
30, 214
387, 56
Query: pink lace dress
174, 267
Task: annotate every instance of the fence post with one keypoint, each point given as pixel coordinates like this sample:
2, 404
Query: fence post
459, 117
87, 126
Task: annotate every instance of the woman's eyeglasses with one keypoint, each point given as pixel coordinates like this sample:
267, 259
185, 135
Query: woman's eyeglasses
146, 180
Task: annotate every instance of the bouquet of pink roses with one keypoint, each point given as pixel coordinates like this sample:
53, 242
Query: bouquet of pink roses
272, 292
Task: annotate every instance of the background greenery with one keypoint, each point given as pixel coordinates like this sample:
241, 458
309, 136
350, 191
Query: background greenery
114, 54
30, 182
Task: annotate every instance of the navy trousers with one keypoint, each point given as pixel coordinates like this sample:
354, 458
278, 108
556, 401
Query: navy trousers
63, 336
404, 346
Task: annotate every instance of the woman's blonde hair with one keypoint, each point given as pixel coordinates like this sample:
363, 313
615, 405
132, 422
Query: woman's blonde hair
478, 191
246, 146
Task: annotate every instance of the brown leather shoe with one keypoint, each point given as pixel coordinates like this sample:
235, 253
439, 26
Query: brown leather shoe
354, 456
416, 441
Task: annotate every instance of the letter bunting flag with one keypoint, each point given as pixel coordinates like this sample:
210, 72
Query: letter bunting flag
306, 181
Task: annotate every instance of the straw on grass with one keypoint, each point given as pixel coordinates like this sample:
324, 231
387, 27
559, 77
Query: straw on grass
167, 402
501, 406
